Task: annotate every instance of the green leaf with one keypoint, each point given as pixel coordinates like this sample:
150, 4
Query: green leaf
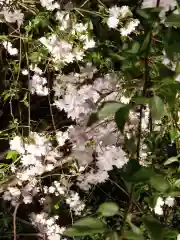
132, 236
12, 155
172, 194
121, 116
108, 109
157, 107
85, 227
144, 174
135, 48
113, 236
108, 209
173, 20
146, 42
141, 100
173, 133
170, 233
171, 160
154, 228
143, 13
159, 183
92, 119
177, 183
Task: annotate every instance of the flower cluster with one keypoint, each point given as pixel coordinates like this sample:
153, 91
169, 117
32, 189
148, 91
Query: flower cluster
31, 155
37, 83
165, 5
13, 16
169, 201
47, 225
75, 204
107, 157
122, 16
11, 50
77, 101
67, 51
50, 5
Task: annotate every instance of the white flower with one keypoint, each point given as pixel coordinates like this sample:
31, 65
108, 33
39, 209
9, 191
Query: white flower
49, 5
17, 144
7, 196
36, 69
61, 190
27, 199
78, 55
75, 203
178, 237
159, 204
25, 72
50, 222
8, 46
13, 51
110, 156
169, 201
14, 16
13, 168
27, 160
166, 61
61, 137
177, 78
15, 192
89, 43
114, 11
58, 49
54, 237
80, 27
130, 27
64, 19
112, 22
165, 4
125, 100
125, 12
49, 167
37, 85
45, 188
52, 189
69, 58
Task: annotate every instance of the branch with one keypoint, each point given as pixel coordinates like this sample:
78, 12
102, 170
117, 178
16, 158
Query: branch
146, 86
127, 210
14, 220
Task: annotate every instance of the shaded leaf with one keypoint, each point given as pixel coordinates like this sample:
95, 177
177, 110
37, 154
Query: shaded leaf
133, 236
171, 160
85, 227
142, 175
159, 183
146, 42
92, 119
173, 20
170, 233
154, 228
108, 209
113, 236
135, 48
177, 183
157, 107
108, 109
12, 155
121, 116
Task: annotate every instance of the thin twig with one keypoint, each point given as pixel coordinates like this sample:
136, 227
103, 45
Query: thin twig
23, 235
144, 93
29, 94
127, 210
14, 220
